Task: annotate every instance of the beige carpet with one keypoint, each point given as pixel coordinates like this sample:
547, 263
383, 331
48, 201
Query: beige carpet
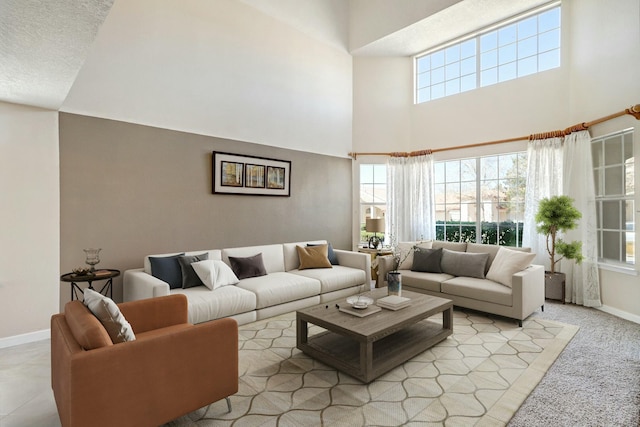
478, 376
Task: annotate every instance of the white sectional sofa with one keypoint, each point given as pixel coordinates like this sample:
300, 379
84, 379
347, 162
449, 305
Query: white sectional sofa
514, 292
283, 289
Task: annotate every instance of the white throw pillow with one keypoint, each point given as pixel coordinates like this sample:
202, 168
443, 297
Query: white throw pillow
214, 273
109, 315
508, 262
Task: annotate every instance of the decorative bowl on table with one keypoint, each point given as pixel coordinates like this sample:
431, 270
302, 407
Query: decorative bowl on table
81, 271
359, 302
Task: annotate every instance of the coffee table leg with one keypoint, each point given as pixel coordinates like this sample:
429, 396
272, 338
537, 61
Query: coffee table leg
366, 359
447, 319
302, 332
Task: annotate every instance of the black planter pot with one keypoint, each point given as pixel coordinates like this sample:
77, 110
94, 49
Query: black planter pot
554, 286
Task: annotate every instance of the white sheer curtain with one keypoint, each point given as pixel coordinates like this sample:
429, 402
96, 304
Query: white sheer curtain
410, 201
583, 284
544, 179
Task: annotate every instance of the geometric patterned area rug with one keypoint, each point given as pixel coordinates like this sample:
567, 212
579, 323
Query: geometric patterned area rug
478, 376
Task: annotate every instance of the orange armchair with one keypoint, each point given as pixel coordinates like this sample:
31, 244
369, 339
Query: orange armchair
171, 369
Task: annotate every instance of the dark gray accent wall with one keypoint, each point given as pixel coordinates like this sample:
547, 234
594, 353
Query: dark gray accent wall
135, 190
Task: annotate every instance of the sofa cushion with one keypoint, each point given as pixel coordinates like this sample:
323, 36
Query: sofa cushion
452, 246
427, 281
336, 278
189, 276
313, 257
279, 288
214, 273
85, 327
463, 263
244, 268
427, 260
290, 253
167, 269
205, 304
478, 289
109, 315
508, 262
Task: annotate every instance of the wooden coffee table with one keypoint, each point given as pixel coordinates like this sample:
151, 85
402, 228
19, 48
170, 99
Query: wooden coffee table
367, 347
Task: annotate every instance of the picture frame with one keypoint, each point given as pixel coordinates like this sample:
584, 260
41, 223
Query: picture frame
250, 175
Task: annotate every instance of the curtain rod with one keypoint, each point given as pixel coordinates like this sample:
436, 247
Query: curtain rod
634, 111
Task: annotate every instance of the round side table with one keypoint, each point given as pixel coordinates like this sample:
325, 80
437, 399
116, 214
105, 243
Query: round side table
104, 274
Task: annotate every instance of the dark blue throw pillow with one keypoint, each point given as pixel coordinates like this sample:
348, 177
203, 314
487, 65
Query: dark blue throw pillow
333, 258
167, 269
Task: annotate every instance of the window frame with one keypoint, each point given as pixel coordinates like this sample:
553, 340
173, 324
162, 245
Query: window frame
482, 56
624, 260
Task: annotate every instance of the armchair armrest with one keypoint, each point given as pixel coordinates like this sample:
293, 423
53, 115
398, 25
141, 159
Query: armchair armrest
140, 285
355, 260
154, 313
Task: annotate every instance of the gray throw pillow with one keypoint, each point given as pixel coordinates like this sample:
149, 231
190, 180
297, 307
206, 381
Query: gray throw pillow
427, 260
167, 269
190, 278
463, 263
244, 268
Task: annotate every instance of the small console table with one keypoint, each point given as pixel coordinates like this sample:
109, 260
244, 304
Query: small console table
105, 274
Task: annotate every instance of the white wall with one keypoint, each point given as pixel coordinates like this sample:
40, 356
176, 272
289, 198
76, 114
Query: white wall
598, 76
30, 218
219, 68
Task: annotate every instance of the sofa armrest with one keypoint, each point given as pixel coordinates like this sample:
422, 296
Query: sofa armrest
385, 265
155, 313
155, 379
357, 260
528, 290
138, 285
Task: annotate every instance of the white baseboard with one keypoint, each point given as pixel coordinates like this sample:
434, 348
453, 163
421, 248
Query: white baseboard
619, 313
25, 338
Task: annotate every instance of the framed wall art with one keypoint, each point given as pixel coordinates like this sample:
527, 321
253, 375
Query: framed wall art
248, 175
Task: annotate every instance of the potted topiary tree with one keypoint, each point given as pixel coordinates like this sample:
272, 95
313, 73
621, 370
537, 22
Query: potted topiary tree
557, 215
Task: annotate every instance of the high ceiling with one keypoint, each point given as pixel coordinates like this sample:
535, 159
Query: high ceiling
44, 44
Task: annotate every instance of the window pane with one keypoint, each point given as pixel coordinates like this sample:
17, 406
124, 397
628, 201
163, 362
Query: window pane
424, 79
528, 27
507, 72
549, 40
437, 91
507, 35
439, 172
507, 54
489, 167
468, 66
453, 192
489, 77
468, 48
468, 82
628, 146
527, 66
452, 169
468, 191
380, 174
468, 170
489, 59
424, 95
628, 179
489, 191
439, 193
596, 153
452, 87
611, 245
366, 173
527, 47
613, 151
613, 182
437, 59
549, 19
549, 60
611, 215
452, 54
597, 182
452, 71
366, 193
424, 63
489, 41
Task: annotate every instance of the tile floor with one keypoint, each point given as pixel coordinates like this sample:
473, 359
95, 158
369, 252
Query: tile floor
26, 398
